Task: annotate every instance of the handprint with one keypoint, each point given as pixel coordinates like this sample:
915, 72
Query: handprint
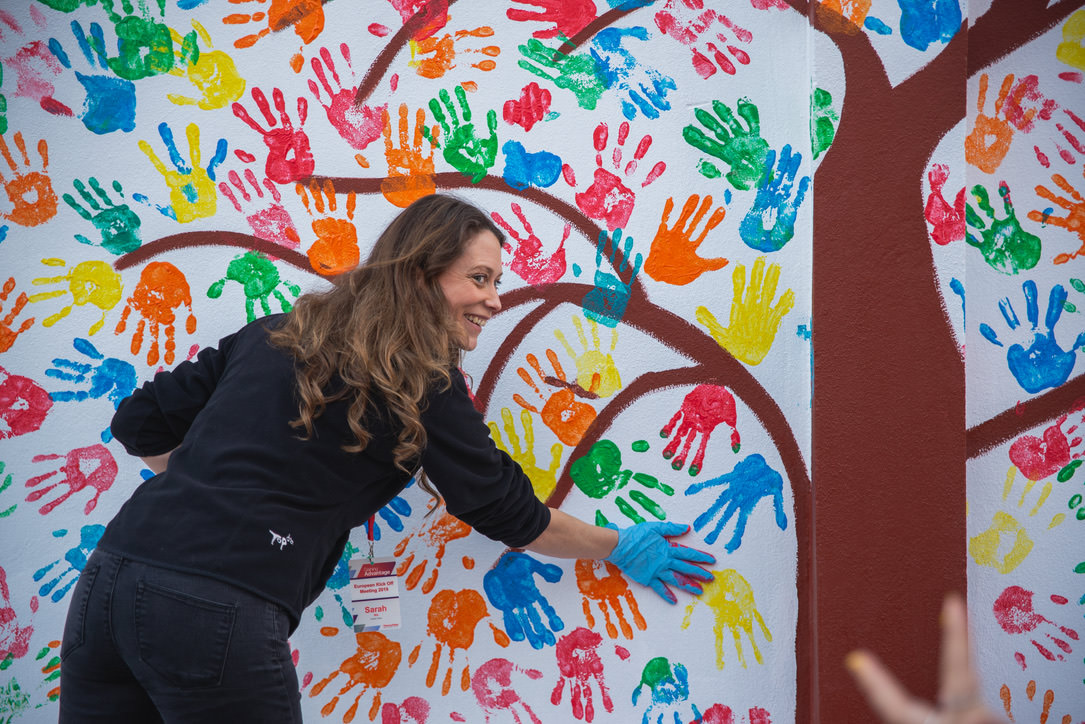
948, 221
1028, 89
23, 405
742, 149
8, 334
1005, 246
668, 689
116, 222
568, 16
336, 247
410, 167
529, 262
608, 199
14, 639
31, 192
5, 483
731, 601
510, 587
578, 664
192, 187
34, 68
673, 256
86, 467
305, 16
162, 288
843, 16
644, 87
212, 73
441, 530
270, 220
608, 592
722, 714
1072, 48
986, 547
462, 148
393, 514
599, 473
1044, 364
359, 125
543, 482
989, 141
523, 169
107, 377
923, 22
1039, 458
492, 686
110, 102
770, 222
260, 281
688, 22
290, 156
822, 120
1074, 221
701, 412
605, 303
145, 48
76, 558
1014, 612
595, 370
532, 106
442, 52
578, 73
568, 418
754, 321
451, 621
414, 707
372, 666
743, 488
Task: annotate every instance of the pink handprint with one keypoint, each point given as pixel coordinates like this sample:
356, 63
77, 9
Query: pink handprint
1038, 458
413, 710
85, 467
492, 685
722, 714
948, 221
528, 260
162, 288
14, 639
270, 220
568, 16
608, 198
23, 405
8, 334
579, 663
688, 22
1028, 89
532, 106
1014, 612
372, 666
702, 410
608, 592
359, 125
289, 154
433, 15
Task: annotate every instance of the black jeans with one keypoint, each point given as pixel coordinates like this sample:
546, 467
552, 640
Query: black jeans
147, 644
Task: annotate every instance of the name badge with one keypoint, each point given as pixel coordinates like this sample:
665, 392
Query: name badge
374, 594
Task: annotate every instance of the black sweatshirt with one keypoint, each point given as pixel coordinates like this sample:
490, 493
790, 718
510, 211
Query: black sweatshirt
245, 500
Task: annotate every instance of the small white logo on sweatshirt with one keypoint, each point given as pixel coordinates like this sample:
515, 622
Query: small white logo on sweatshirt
281, 541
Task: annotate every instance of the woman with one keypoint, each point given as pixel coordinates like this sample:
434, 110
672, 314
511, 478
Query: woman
271, 447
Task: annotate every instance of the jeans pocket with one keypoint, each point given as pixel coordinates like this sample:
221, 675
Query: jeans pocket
183, 638
75, 625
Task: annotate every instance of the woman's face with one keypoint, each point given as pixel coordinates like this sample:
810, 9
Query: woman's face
470, 286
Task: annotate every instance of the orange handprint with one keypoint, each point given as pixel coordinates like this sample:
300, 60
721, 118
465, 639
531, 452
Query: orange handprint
561, 412
843, 16
162, 288
1074, 221
673, 257
452, 618
31, 193
442, 52
307, 17
1030, 693
990, 139
336, 247
443, 530
410, 167
607, 591
7, 334
372, 666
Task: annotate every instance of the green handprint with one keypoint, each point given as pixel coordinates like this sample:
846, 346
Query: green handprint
599, 473
118, 224
577, 73
145, 49
742, 149
1004, 244
822, 117
466, 152
260, 280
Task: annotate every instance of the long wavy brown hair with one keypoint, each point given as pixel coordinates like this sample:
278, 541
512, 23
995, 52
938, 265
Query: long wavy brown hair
383, 335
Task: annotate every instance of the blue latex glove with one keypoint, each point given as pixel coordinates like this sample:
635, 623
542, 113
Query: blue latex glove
645, 555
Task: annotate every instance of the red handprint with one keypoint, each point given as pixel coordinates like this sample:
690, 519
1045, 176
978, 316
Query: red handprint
607, 591
579, 663
608, 198
1038, 458
23, 405
31, 193
372, 666
434, 15
568, 16
452, 619
948, 221
1028, 89
289, 154
270, 221
561, 412
359, 125
162, 288
722, 714
528, 259
7, 334
443, 530
532, 106
1014, 612
85, 467
14, 639
413, 709
688, 22
492, 685
701, 411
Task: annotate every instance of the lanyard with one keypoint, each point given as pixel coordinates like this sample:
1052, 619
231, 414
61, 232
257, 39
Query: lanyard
369, 535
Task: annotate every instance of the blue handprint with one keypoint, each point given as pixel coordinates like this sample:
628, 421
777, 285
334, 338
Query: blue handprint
645, 88
668, 686
743, 488
393, 514
110, 104
1044, 363
607, 300
510, 587
103, 376
923, 22
773, 201
76, 557
523, 169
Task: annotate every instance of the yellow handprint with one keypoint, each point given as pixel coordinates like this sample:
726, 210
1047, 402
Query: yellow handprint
1072, 50
984, 548
89, 282
754, 321
731, 599
192, 188
542, 481
214, 74
593, 363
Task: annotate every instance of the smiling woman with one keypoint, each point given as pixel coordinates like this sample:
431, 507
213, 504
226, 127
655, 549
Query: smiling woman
470, 286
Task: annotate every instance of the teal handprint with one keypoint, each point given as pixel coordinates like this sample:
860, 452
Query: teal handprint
741, 148
1005, 246
116, 222
605, 303
463, 149
578, 73
260, 280
770, 222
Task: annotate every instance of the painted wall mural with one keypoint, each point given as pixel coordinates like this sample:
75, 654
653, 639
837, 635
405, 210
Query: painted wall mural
173, 169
